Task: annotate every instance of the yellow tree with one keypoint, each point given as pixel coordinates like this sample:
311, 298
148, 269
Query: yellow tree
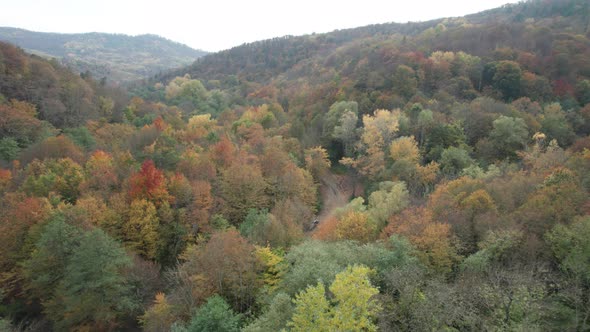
356, 226
356, 307
273, 267
158, 317
405, 148
312, 311
317, 162
141, 231
378, 132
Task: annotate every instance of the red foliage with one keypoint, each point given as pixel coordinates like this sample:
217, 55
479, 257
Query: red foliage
160, 124
5, 177
223, 152
562, 88
327, 229
149, 183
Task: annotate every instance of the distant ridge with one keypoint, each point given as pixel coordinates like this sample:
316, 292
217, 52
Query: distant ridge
118, 57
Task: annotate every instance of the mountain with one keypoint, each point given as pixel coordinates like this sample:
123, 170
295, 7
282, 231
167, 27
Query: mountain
117, 57
387, 66
433, 176
58, 95
549, 39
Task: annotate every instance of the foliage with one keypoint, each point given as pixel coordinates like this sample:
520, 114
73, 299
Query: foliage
354, 308
81, 282
215, 315
466, 138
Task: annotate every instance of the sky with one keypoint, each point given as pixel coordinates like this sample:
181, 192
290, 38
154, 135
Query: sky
216, 25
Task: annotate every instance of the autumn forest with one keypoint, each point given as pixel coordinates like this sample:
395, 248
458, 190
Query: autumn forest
429, 176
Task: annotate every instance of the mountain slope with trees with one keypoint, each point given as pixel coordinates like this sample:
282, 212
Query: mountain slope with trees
448, 161
117, 57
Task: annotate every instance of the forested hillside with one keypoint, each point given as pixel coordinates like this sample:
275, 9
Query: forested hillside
398, 177
116, 57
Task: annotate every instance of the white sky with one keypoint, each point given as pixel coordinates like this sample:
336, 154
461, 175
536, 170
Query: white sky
215, 25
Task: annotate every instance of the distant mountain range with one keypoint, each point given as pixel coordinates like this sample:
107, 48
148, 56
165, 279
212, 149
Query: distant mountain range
118, 57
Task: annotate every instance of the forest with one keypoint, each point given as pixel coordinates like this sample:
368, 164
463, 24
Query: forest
429, 176
118, 57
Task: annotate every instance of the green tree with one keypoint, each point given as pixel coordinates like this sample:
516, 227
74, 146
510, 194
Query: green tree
82, 137
453, 160
275, 317
347, 132
554, 124
391, 198
571, 247
583, 92
9, 149
215, 315
508, 136
404, 81
507, 77
78, 277
94, 293
48, 263
61, 176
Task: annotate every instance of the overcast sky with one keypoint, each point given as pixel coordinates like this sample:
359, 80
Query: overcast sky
220, 24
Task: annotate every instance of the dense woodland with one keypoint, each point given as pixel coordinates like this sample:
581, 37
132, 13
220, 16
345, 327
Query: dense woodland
401, 177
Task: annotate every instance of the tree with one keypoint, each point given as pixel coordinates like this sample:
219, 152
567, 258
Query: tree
59, 147
226, 265
354, 308
100, 171
141, 230
78, 276
254, 227
19, 122
317, 162
93, 292
507, 79
583, 92
554, 124
243, 188
405, 148
61, 176
355, 226
404, 81
378, 132
508, 136
442, 136
570, 247
275, 317
391, 198
346, 132
82, 137
431, 239
149, 184
312, 310
47, 265
9, 149
335, 116
215, 315
453, 160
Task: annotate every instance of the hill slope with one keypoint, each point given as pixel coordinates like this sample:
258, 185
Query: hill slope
115, 56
